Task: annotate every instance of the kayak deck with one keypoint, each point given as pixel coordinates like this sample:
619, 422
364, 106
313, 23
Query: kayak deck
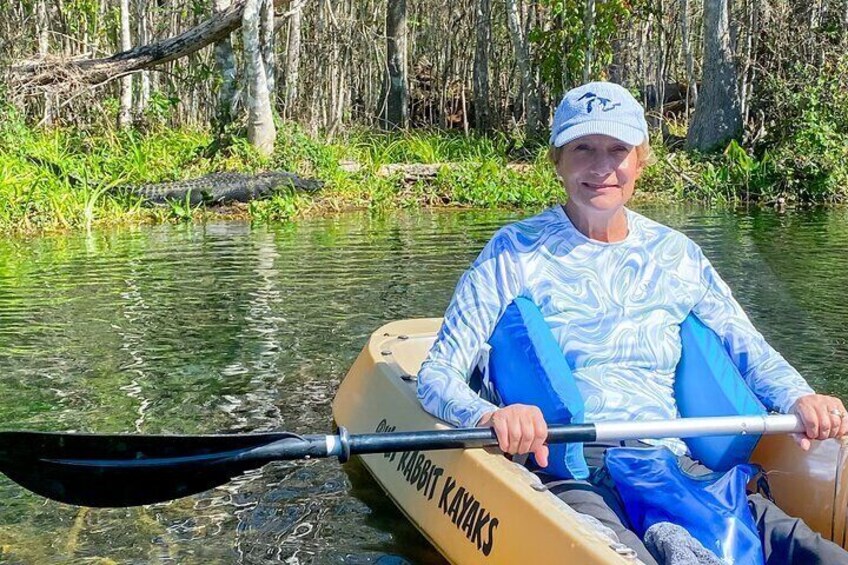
477, 506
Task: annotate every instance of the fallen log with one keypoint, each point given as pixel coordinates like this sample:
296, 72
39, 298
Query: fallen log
419, 171
70, 72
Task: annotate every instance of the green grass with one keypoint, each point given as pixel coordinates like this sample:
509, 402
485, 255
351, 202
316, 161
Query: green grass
59, 179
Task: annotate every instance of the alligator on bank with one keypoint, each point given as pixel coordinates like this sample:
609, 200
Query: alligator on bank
211, 189
220, 188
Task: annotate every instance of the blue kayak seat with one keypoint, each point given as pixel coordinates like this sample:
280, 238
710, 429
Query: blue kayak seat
708, 383
525, 365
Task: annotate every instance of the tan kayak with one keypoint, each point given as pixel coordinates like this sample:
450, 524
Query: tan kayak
477, 506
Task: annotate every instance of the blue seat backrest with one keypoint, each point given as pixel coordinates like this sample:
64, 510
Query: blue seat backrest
526, 366
707, 383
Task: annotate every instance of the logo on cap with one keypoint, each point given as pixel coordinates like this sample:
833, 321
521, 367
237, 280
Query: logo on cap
605, 103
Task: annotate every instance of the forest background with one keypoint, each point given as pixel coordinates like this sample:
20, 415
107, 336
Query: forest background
407, 102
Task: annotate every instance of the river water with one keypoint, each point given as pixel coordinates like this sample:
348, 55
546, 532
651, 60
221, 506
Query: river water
225, 327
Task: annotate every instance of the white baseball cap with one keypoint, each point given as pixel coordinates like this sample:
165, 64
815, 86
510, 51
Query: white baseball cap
599, 108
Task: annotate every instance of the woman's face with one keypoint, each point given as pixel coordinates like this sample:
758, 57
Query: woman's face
599, 172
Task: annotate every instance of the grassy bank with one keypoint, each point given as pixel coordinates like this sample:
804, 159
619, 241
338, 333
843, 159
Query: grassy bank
61, 179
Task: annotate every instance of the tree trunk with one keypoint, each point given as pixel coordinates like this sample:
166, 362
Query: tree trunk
142, 36
845, 23
260, 122
342, 60
642, 65
589, 32
620, 58
43, 24
522, 59
687, 55
333, 75
718, 117
396, 92
483, 24
293, 56
125, 111
225, 61
268, 41
660, 76
750, 8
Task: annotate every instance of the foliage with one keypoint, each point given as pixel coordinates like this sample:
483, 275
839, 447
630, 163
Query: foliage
797, 147
561, 43
61, 178
804, 113
183, 210
278, 208
160, 107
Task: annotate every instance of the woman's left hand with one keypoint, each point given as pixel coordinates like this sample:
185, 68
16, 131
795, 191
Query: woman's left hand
823, 417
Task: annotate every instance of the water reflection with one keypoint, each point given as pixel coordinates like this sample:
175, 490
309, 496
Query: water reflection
190, 329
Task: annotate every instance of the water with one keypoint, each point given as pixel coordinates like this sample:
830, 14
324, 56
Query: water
224, 327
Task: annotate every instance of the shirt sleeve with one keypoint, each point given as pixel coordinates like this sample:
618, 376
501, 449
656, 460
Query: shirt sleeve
777, 384
480, 298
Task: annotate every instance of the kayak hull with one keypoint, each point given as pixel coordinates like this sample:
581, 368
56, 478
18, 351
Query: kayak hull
477, 506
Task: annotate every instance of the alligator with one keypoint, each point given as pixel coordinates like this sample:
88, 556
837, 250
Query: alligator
220, 188
214, 188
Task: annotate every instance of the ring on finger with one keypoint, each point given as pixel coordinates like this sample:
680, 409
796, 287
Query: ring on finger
838, 413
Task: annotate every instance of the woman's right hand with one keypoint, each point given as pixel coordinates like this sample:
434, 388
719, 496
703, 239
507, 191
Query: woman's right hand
520, 429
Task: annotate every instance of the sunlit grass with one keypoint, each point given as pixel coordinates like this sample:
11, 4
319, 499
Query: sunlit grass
377, 149
61, 179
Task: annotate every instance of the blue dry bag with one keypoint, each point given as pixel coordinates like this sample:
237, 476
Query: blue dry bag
712, 507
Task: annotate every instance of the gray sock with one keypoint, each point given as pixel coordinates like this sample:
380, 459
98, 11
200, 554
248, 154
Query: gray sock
673, 545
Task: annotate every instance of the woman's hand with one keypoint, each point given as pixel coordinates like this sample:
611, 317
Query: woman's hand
520, 429
823, 417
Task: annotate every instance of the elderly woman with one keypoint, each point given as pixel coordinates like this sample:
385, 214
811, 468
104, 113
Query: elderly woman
613, 286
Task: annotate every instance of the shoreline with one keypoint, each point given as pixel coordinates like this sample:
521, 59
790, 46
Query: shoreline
54, 181
314, 208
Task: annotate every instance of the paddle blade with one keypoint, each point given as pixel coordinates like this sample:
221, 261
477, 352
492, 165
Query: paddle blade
118, 486
125, 470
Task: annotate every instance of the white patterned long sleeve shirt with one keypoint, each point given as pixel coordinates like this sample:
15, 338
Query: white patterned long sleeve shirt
614, 308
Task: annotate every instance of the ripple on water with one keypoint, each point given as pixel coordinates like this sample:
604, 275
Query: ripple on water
224, 327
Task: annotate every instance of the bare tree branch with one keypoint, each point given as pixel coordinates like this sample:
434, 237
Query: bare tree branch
33, 74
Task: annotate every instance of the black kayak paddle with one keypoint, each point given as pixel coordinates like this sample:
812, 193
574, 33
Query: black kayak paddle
129, 470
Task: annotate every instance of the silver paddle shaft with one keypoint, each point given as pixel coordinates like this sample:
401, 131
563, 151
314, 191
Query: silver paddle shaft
699, 427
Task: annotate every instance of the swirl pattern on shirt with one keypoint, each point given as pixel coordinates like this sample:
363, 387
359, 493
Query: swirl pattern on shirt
615, 310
